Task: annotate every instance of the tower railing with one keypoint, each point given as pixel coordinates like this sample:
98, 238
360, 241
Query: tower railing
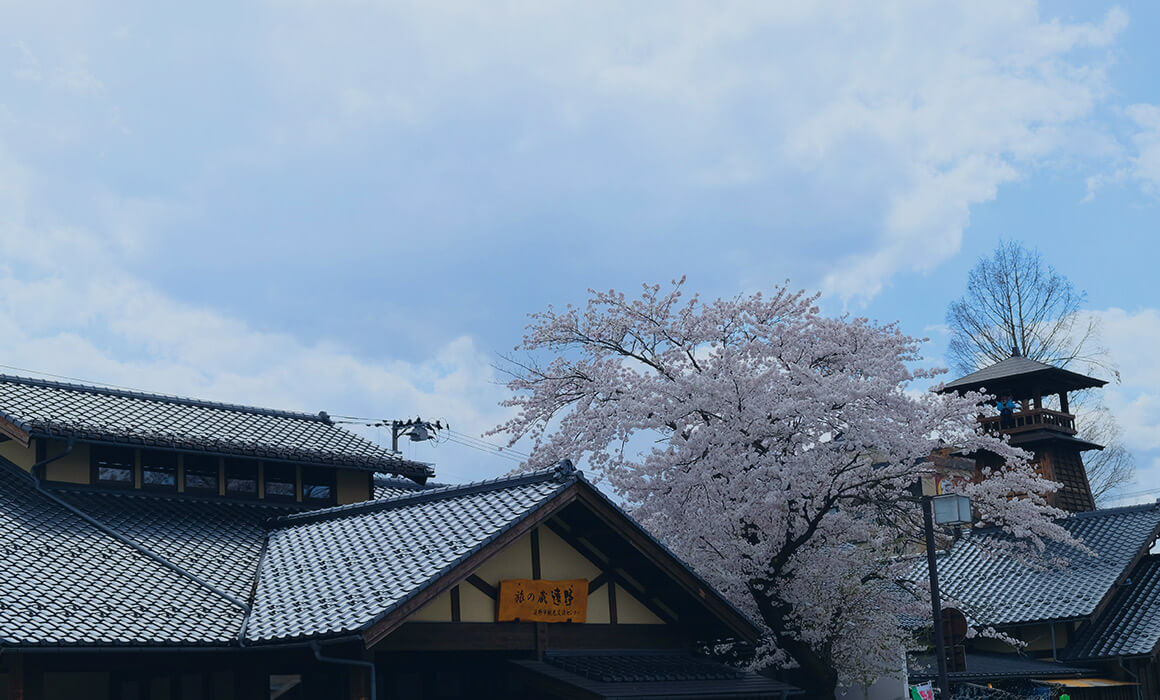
1033, 419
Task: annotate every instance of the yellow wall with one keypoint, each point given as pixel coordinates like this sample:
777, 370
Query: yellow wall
72, 469
21, 456
352, 486
438, 610
475, 605
558, 561
630, 611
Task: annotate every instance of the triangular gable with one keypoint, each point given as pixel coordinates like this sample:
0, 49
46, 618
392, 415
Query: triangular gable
579, 533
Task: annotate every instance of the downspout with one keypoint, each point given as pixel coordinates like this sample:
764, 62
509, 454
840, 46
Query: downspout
1120, 661
121, 538
369, 666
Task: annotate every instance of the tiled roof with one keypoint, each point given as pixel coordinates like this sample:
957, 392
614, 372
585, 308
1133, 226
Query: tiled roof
997, 590
338, 570
386, 486
650, 674
56, 409
985, 667
218, 540
66, 582
1017, 371
1131, 624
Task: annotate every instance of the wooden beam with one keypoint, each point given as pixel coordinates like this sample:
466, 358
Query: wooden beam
483, 586
602, 562
15, 432
379, 629
521, 636
455, 616
612, 602
536, 553
645, 599
669, 565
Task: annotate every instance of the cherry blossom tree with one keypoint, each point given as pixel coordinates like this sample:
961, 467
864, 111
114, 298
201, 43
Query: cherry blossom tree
780, 450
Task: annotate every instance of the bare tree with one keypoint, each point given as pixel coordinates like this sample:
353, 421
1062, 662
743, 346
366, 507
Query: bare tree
1015, 303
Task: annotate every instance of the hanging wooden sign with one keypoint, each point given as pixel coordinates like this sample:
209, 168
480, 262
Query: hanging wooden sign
535, 600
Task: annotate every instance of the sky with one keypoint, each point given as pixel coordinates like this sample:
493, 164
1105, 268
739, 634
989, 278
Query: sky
352, 206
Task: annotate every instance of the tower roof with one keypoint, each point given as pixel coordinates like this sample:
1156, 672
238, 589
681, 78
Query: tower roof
1021, 377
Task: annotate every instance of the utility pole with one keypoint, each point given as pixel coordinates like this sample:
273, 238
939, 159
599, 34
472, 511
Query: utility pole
940, 652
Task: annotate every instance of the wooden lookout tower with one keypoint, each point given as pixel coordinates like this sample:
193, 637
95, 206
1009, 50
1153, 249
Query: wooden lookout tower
1049, 434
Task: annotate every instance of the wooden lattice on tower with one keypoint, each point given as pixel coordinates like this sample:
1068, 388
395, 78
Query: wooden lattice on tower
1019, 386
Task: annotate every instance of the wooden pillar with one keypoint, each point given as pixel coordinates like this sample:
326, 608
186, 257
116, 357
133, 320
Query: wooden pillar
250, 682
1063, 407
16, 676
25, 679
359, 683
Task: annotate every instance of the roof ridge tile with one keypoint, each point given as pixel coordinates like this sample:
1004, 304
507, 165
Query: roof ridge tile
320, 417
563, 472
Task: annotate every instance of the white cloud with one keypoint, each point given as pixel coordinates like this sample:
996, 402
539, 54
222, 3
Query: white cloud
68, 307
899, 116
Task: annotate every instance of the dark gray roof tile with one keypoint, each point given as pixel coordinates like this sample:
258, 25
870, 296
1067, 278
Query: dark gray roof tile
1131, 624
66, 582
337, 570
998, 590
57, 409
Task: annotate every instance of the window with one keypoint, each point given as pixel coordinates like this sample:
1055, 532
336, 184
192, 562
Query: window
158, 470
241, 478
113, 466
201, 474
317, 485
280, 482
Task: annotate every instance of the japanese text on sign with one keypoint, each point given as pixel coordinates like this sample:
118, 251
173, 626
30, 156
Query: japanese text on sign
528, 600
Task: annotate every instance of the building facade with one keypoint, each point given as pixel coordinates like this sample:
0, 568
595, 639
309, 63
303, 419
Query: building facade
155, 547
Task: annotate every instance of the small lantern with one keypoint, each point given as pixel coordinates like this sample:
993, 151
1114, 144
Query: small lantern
951, 509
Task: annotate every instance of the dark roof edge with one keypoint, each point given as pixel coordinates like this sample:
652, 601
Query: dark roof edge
320, 417
563, 472
712, 590
1085, 515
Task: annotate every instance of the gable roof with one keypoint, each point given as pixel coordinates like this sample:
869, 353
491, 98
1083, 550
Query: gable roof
87, 567
390, 557
1019, 376
997, 590
67, 582
1131, 624
338, 570
42, 408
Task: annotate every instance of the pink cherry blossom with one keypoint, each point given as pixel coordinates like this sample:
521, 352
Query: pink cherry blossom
781, 450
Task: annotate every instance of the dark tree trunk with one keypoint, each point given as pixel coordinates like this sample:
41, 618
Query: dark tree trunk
814, 674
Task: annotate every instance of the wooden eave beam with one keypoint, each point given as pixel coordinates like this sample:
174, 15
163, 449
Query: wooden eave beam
14, 432
669, 565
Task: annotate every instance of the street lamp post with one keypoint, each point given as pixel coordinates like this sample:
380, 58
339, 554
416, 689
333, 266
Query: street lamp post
951, 509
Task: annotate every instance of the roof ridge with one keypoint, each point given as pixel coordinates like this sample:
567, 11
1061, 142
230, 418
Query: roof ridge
563, 471
1085, 515
320, 417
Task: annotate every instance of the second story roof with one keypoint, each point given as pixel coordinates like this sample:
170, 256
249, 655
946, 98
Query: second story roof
49, 409
999, 590
1022, 377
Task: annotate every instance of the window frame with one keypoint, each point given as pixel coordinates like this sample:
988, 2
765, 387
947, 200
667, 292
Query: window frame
320, 476
277, 468
95, 457
150, 455
233, 463
202, 470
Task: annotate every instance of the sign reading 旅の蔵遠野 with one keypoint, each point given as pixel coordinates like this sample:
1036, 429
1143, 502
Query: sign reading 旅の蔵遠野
534, 600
